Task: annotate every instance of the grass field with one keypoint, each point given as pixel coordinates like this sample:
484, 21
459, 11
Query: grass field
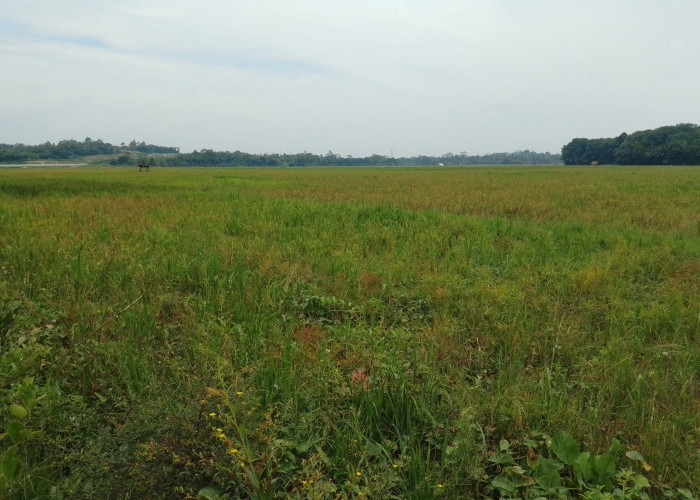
492, 332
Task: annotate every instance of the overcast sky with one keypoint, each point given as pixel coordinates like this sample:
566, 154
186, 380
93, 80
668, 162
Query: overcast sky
357, 77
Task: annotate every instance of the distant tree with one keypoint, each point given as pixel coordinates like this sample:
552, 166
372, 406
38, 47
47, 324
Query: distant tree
123, 159
137, 151
679, 144
63, 150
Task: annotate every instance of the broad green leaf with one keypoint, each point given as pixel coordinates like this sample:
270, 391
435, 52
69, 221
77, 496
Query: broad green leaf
14, 430
287, 466
635, 455
685, 493
9, 464
583, 467
503, 483
521, 481
565, 447
615, 447
503, 445
18, 411
27, 393
18, 432
502, 458
209, 493
546, 474
604, 466
641, 481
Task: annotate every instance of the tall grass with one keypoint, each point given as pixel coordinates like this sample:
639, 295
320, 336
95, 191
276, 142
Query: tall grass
344, 333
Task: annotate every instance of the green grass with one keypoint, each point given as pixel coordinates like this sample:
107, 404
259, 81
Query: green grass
353, 333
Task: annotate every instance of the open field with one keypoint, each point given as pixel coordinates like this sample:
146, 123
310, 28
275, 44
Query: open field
337, 333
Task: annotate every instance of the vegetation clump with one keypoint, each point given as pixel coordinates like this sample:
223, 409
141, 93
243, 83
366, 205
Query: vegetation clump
671, 145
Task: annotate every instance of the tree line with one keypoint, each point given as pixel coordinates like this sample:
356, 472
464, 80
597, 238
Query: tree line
670, 145
140, 152
72, 150
208, 157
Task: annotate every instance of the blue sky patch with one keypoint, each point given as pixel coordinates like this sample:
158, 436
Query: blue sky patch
10, 29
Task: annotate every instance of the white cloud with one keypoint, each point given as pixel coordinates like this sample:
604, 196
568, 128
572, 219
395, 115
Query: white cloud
357, 77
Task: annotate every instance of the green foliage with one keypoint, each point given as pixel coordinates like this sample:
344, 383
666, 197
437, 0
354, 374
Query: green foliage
348, 333
672, 145
72, 149
560, 470
27, 394
565, 448
134, 152
9, 465
208, 157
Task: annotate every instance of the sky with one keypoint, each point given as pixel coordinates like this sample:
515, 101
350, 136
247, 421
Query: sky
360, 77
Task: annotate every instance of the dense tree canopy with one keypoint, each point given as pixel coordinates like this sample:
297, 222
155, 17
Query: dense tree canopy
142, 147
72, 149
671, 145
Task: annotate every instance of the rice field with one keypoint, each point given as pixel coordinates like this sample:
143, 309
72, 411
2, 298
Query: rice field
488, 332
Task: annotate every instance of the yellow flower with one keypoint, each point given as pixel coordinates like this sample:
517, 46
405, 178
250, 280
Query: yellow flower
233, 451
221, 435
239, 393
212, 414
219, 430
439, 486
395, 466
358, 473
